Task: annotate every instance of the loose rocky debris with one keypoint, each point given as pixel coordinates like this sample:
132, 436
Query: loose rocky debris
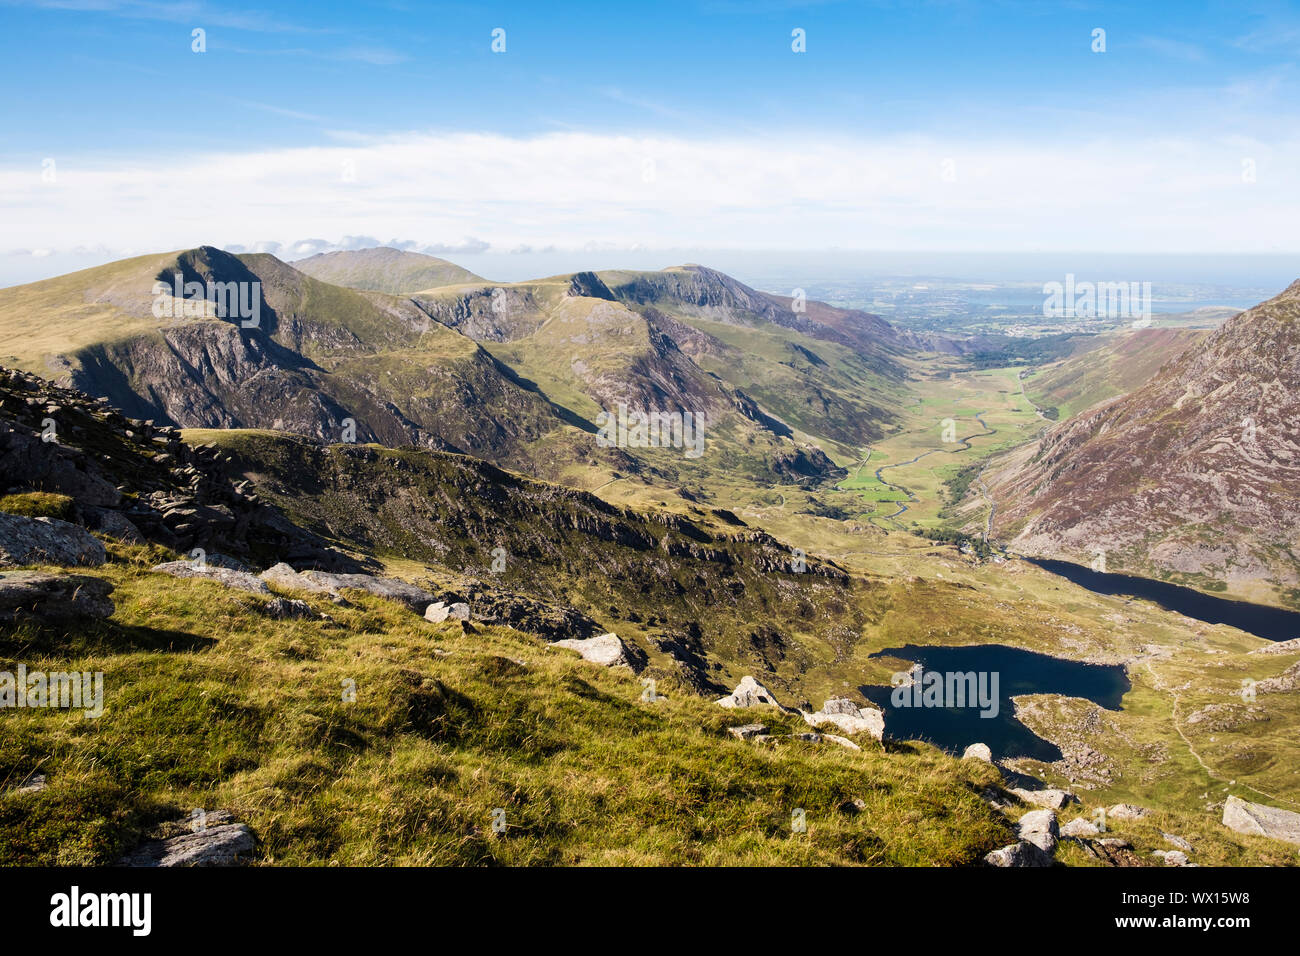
1256, 818
53, 597
849, 717
608, 650
46, 541
978, 752
1288, 680
226, 844
750, 693
1052, 799
1281, 647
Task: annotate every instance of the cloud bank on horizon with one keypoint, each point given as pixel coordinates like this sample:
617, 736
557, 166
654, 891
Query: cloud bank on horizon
948, 126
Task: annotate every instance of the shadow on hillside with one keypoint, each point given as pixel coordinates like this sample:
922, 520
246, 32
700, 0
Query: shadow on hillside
33, 637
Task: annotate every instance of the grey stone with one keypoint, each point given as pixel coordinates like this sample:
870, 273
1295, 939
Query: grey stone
863, 720
1080, 827
53, 597
1177, 841
239, 580
325, 582
440, 611
46, 541
1040, 828
1051, 798
749, 693
607, 650
1020, 854
221, 845
1127, 811
978, 752
1261, 820
840, 705
746, 731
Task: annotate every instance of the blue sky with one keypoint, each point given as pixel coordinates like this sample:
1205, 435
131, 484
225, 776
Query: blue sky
976, 125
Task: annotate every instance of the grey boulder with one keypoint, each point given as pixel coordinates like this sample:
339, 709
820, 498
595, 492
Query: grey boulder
608, 650
1261, 820
53, 597
47, 541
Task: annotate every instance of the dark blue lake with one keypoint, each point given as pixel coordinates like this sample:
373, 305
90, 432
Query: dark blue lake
1270, 623
1018, 672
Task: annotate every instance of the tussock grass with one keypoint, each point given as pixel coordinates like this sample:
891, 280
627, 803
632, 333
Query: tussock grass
211, 704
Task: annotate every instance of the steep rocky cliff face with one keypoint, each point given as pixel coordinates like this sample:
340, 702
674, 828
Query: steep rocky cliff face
647, 574
1197, 473
138, 481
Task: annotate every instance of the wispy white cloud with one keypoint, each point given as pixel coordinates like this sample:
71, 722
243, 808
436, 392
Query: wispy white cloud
1171, 194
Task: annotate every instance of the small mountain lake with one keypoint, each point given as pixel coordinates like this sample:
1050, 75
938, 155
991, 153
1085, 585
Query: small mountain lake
1270, 623
953, 728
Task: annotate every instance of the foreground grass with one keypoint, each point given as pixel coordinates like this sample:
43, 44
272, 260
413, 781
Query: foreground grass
210, 704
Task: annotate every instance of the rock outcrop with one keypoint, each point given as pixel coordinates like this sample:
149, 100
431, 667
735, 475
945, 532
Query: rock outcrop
44, 596
225, 844
240, 580
46, 541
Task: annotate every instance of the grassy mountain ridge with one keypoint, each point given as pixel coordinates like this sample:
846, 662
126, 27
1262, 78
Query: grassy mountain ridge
384, 269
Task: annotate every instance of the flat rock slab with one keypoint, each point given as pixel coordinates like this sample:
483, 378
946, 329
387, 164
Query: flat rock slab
1261, 820
221, 845
40, 595
47, 541
324, 582
239, 580
608, 650
746, 731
